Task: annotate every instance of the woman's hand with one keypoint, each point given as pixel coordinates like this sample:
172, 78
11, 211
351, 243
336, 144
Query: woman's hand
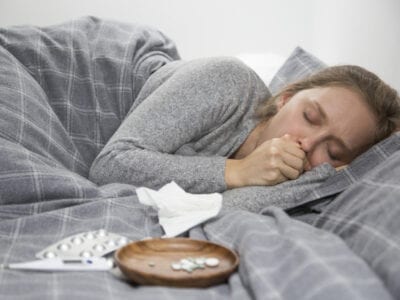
272, 162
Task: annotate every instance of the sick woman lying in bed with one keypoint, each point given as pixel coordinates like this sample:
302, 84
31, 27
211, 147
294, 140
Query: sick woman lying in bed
211, 125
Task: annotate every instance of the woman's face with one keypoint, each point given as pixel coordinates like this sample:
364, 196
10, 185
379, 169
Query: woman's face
332, 124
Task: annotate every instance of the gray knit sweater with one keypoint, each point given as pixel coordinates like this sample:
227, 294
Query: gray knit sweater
188, 118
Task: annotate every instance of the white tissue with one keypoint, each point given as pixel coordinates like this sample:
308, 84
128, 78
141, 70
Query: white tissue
179, 211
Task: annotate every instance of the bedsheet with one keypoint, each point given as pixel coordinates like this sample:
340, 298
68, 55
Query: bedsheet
63, 90
280, 258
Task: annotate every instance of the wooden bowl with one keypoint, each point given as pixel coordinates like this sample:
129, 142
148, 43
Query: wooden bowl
148, 262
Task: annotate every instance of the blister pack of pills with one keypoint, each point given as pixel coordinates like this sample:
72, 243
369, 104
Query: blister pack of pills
86, 244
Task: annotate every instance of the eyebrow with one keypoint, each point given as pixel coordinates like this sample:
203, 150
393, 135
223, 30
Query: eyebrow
337, 139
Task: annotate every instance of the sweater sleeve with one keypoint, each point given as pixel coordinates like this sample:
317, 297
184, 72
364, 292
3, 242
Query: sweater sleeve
179, 108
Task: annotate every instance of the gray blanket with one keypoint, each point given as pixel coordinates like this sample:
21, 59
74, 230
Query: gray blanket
63, 91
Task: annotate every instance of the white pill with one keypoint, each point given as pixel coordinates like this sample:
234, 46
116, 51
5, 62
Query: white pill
176, 266
86, 254
188, 269
50, 254
77, 240
186, 261
111, 243
63, 247
101, 233
200, 260
99, 248
89, 236
122, 241
212, 262
151, 264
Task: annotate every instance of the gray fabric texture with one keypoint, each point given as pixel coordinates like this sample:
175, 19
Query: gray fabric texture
195, 115
366, 217
288, 194
344, 179
361, 205
64, 91
80, 78
280, 258
298, 65
60, 104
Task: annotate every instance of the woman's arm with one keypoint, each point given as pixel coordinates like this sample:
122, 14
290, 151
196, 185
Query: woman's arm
191, 104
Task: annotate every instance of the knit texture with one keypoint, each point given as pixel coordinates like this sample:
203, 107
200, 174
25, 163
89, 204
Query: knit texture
189, 117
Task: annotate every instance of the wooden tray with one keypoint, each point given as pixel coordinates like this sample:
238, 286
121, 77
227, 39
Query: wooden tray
148, 262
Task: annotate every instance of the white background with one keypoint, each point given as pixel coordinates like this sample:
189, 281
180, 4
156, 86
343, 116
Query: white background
363, 32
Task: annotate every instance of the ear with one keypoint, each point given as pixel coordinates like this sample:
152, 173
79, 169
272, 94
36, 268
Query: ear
283, 99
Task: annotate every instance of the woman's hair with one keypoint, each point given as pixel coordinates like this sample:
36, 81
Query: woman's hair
383, 100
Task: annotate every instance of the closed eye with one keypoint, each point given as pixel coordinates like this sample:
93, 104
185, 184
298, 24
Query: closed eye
306, 117
312, 117
332, 156
314, 114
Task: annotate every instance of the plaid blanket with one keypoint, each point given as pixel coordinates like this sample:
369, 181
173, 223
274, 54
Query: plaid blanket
63, 91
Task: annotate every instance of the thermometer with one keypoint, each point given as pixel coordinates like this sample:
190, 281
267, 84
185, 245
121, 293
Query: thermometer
58, 264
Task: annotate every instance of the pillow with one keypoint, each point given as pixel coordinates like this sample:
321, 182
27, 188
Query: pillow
264, 64
299, 64
366, 214
323, 194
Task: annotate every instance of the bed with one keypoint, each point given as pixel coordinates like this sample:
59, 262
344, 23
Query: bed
65, 89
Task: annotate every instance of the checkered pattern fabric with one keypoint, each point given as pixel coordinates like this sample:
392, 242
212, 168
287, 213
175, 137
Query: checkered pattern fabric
63, 91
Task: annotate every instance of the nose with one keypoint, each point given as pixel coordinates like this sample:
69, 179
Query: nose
311, 145
308, 146
312, 137
308, 143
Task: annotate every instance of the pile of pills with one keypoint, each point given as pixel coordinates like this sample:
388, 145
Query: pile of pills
83, 245
190, 264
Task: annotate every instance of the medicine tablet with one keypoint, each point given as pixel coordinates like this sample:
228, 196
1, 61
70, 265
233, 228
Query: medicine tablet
122, 241
200, 260
77, 240
64, 247
101, 233
99, 248
49, 254
185, 261
89, 236
212, 262
176, 266
86, 254
188, 268
111, 243
85, 244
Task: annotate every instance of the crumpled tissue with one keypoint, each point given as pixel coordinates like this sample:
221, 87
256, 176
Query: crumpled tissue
178, 211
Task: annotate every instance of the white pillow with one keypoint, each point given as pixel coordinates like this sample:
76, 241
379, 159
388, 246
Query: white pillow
265, 65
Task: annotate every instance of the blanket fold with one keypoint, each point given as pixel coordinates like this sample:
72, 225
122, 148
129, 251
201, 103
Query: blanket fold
64, 90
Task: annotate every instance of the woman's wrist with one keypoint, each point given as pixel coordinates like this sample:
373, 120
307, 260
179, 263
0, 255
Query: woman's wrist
232, 174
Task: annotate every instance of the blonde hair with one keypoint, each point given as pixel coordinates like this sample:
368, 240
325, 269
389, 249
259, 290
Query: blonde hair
382, 100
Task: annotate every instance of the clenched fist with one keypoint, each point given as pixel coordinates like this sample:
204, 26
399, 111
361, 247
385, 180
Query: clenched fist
272, 162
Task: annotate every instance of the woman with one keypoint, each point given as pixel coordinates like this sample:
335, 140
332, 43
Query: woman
210, 125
